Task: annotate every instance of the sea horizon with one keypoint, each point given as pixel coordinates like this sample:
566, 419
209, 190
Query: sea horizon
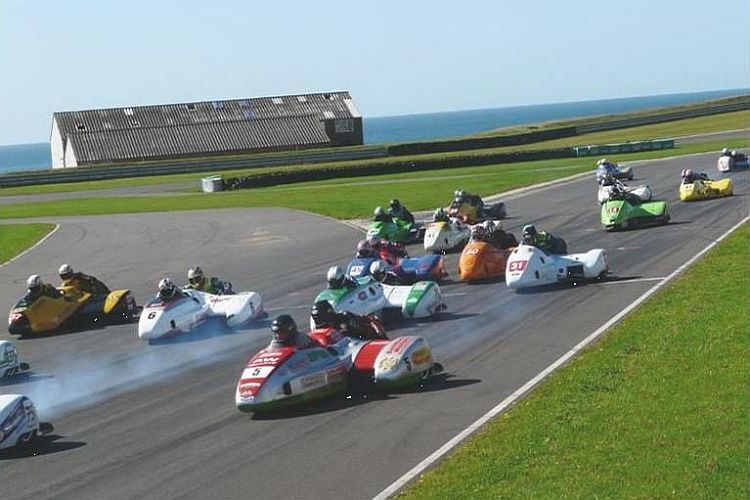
436, 125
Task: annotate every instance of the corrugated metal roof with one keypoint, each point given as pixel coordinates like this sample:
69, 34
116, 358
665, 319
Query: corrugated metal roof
96, 120
207, 127
165, 142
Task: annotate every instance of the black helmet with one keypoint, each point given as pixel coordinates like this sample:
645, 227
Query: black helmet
284, 329
395, 204
364, 249
529, 232
322, 313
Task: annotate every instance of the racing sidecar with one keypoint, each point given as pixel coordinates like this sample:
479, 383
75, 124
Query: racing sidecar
622, 214
481, 260
396, 230
9, 365
420, 300
530, 266
72, 309
727, 163
446, 236
471, 214
620, 172
407, 270
641, 193
182, 314
704, 189
19, 423
275, 379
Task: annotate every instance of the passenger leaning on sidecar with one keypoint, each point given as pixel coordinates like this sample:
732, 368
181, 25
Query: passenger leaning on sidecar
543, 240
81, 282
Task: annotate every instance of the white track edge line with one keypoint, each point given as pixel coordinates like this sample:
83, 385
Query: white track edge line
434, 457
57, 226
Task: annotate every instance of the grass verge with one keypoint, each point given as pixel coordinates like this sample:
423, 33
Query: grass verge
705, 124
15, 238
346, 197
659, 408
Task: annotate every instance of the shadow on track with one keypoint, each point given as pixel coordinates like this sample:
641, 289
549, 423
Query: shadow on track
355, 397
211, 329
45, 445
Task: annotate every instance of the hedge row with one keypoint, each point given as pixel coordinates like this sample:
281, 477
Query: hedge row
418, 148
294, 176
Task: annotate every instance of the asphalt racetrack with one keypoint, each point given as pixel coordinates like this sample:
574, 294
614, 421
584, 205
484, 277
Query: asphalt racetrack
158, 421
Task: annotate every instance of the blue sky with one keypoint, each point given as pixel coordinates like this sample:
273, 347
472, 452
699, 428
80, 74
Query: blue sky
396, 57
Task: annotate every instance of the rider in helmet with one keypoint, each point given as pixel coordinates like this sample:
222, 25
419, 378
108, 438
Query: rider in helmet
365, 250
168, 290
604, 167
440, 215
398, 211
324, 316
81, 282
337, 279
285, 334
197, 281
497, 236
543, 240
389, 250
478, 233
37, 288
689, 176
380, 215
725, 152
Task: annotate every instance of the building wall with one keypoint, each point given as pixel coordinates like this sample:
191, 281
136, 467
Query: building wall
70, 156
57, 146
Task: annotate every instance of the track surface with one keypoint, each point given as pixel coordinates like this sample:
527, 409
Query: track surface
159, 421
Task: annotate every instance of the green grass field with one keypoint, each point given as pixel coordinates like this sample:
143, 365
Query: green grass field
728, 121
658, 409
15, 238
346, 197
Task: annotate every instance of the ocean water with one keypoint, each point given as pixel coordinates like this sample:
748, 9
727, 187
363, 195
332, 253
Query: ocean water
418, 127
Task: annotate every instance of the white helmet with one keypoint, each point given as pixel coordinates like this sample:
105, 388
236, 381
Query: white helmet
33, 281
602, 161
65, 271
195, 275
734, 152
335, 277
378, 270
724, 151
167, 289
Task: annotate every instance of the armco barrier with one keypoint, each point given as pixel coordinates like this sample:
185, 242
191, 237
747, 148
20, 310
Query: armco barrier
288, 177
79, 174
625, 147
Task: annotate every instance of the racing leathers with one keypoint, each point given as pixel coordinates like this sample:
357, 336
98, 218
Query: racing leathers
547, 242
350, 325
212, 285
43, 290
390, 251
300, 341
401, 213
85, 283
500, 238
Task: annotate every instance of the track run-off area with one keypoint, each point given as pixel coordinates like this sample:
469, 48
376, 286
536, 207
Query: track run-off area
158, 421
